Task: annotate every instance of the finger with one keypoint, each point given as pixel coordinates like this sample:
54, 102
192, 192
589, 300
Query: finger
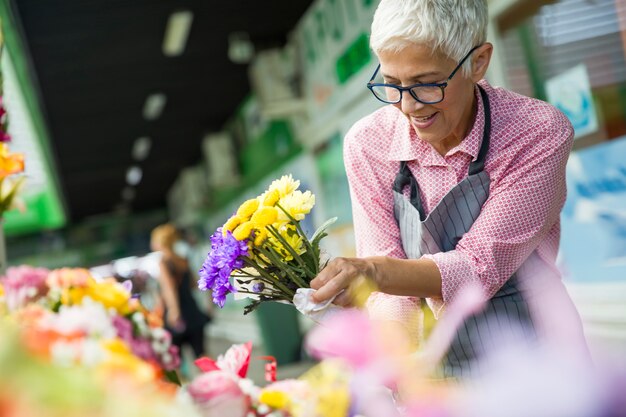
324, 276
344, 299
317, 282
332, 287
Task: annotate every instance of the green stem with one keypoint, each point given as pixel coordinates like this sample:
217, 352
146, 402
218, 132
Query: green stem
259, 277
304, 238
273, 256
273, 294
291, 250
265, 274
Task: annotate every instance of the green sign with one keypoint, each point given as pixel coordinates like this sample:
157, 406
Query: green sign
44, 208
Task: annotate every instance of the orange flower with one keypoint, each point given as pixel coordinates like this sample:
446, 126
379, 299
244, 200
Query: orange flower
69, 277
10, 163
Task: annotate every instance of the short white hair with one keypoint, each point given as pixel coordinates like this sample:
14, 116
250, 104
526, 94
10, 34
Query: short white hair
451, 27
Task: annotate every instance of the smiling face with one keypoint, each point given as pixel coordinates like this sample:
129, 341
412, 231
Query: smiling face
444, 124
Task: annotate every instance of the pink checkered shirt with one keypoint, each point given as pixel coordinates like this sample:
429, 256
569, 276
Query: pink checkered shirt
530, 143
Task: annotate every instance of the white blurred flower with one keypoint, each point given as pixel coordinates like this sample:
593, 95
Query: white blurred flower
90, 318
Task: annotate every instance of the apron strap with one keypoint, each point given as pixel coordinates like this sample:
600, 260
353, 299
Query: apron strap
479, 164
404, 178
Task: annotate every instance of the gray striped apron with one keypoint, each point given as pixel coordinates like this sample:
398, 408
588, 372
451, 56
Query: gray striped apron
506, 314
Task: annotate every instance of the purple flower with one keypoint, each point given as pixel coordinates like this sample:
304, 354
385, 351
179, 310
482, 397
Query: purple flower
123, 327
258, 287
226, 255
139, 346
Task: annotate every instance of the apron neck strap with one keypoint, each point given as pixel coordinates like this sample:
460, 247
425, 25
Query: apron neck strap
404, 178
479, 164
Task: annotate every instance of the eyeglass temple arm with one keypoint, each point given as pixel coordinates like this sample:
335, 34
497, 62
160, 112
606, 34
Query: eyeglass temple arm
458, 67
374, 75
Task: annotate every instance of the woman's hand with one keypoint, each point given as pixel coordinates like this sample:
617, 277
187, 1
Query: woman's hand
174, 320
345, 276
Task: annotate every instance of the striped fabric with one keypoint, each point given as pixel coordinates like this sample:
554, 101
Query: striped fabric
506, 314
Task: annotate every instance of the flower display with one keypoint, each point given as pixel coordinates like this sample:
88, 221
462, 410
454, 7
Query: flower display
262, 251
71, 319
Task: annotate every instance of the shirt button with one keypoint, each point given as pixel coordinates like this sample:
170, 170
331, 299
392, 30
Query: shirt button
450, 168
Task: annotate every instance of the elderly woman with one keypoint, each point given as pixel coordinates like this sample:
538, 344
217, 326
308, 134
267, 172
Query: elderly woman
453, 182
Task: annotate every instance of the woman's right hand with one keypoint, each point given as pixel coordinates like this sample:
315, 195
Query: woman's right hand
343, 277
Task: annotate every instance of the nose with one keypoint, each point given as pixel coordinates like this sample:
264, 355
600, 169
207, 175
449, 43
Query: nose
409, 105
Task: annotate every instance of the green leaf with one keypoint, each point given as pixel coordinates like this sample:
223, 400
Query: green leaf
251, 307
291, 250
266, 276
172, 377
296, 223
274, 256
317, 236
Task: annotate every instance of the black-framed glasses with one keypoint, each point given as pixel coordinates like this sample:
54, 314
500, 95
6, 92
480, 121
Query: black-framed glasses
431, 93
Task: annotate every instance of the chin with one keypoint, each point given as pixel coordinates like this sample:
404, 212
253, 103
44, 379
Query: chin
427, 136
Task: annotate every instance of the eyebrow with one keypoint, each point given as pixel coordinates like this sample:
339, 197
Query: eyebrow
416, 77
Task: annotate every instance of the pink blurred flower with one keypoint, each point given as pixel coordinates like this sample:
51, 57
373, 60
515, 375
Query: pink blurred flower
218, 394
349, 336
24, 284
25, 276
235, 360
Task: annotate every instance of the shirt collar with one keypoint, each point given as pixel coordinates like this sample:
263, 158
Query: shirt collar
406, 145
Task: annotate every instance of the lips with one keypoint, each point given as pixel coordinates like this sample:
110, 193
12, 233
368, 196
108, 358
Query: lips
423, 122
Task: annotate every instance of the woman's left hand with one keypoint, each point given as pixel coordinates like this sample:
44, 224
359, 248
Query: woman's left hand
343, 276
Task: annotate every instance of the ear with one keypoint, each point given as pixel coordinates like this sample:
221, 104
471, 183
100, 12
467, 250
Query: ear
480, 61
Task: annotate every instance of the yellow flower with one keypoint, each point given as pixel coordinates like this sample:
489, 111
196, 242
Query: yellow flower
10, 163
285, 185
110, 294
297, 204
116, 346
274, 399
264, 216
293, 240
121, 361
243, 231
260, 237
333, 403
231, 224
1, 290
73, 296
248, 208
270, 197
330, 381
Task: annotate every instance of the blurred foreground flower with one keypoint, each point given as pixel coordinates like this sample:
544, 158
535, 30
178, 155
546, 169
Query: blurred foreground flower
68, 318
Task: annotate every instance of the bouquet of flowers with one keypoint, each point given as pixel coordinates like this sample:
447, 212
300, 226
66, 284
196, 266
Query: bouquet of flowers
263, 248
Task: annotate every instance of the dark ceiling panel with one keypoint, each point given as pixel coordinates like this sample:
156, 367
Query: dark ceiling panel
97, 61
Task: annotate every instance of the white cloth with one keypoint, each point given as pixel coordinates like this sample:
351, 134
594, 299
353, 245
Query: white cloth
317, 312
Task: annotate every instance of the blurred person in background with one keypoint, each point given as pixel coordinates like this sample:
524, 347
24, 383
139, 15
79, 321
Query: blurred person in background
454, 182
183, 317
